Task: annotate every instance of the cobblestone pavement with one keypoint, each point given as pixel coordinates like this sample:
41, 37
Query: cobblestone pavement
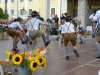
86, 64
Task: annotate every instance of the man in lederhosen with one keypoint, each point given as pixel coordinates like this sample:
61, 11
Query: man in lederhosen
97, 36
68, 33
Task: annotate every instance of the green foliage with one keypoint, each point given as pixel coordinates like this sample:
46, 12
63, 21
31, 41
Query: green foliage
3, 15
26, 63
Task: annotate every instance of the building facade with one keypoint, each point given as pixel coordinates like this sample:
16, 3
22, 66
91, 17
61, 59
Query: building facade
20, 8
23, 8
74, 8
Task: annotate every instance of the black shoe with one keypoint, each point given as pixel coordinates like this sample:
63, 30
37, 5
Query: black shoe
98, 57
47, 43
81, 43
57, 38
30, 43
76, 53
24, 42
67, 57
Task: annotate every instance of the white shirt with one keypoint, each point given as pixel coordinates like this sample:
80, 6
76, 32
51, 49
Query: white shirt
60, 28
80, 26
97, 16
36, 24
50, 17
91, 16
15, 25
68, 28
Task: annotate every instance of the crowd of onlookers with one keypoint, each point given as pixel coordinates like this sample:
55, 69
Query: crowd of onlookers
54, 21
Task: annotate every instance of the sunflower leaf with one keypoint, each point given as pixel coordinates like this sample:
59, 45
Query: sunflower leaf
25, 62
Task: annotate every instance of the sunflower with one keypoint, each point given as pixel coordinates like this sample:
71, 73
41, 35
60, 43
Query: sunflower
17, 59
44, 59
9, 56
30, 58
40, 60
34, 66
44, 64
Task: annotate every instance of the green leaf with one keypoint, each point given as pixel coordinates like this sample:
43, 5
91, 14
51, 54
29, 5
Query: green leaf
2, 15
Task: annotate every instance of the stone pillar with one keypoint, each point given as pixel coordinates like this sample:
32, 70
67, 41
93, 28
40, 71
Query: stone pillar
64, 6
59, 8
44, 10
82, 12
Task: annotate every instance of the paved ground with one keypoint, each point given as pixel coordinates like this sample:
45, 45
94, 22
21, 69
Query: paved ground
86, 64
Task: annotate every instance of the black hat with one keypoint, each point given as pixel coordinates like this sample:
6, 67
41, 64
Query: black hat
68, 18
34, 13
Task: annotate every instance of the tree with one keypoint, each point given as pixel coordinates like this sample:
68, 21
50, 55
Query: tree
3, 15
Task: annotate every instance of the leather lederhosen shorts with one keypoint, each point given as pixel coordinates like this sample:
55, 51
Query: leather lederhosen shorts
70, 37
12, 32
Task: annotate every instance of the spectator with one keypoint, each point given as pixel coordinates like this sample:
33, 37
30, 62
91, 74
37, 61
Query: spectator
56, 20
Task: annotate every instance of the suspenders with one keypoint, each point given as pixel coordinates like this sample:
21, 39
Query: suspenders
68, 29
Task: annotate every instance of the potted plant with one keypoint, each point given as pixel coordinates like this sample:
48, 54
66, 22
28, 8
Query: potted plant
28, 62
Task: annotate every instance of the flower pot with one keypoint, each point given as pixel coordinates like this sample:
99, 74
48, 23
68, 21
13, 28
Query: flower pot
23, 70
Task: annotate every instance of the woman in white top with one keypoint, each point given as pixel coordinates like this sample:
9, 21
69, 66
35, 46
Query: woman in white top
33, 24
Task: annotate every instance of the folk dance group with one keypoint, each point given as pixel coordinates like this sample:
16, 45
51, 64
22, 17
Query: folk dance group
66, 29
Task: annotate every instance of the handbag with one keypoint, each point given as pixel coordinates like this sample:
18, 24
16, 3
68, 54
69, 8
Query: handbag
34, 33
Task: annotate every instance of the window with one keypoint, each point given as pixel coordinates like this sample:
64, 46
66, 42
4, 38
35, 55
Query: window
21, 0
12, 0
12, 11
21, 12
52, 11
30, 0
0, 1
30, 10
